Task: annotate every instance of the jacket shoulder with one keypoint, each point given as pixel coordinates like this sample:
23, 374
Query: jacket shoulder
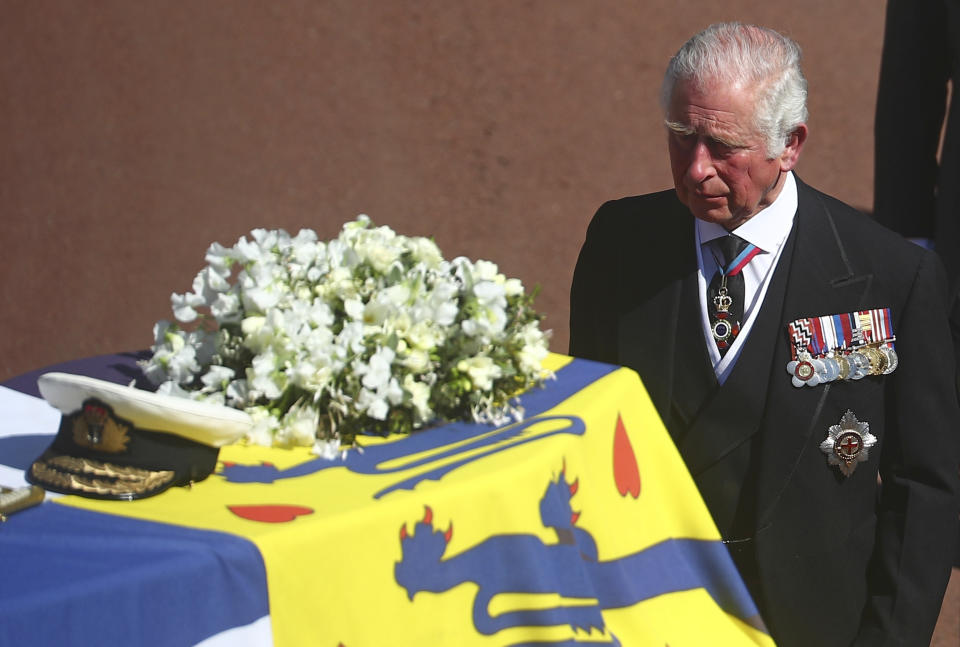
651, 215
868, 248
859, 232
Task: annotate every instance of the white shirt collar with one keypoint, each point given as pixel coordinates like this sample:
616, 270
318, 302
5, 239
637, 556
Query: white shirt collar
766, 229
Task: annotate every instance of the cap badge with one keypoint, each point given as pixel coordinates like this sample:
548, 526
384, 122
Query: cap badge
847, 443
96, 427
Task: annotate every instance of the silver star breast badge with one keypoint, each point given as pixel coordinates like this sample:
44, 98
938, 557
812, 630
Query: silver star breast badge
847, 443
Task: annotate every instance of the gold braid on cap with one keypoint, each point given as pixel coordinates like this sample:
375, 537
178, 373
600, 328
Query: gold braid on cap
82, 475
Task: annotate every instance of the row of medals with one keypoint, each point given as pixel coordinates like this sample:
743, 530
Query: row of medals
872, 359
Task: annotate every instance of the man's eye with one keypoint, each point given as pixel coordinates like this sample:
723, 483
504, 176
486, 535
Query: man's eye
721, 149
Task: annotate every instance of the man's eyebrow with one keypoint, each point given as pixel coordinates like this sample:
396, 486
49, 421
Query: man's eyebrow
684, 129
679, 128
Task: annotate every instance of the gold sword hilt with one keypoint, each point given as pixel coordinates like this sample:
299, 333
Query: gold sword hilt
16, 499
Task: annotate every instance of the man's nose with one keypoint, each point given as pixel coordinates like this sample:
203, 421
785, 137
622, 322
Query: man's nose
700, 164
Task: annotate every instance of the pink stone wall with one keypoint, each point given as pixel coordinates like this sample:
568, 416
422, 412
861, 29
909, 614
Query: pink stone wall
133, 134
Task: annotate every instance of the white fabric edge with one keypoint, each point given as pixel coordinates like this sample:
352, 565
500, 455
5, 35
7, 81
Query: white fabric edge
258, 633
24, 415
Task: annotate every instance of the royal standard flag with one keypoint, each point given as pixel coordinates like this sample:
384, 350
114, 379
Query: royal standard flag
577, 526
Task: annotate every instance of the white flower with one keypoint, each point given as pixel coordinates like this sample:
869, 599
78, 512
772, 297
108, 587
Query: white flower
487, 323
354, 308
174, 389
310, 374
238, 393
350, 339
373, 404
220, 258
443, 303
262, 298
463, 271
204, 344
210, 282
263, 376
184, 306
376, 403
304, 247
426, 251
320, 315
269, 238
485, 271
482, 371
180, 365
264, 426
299, 426
417, 361
258, 336
226, 307
377, 373
247, 252
534, 348
490, 294
425, 336
419, 397
216, 378
328, 449
377, 312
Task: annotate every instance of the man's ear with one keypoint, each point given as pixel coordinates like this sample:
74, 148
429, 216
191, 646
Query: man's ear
791, 154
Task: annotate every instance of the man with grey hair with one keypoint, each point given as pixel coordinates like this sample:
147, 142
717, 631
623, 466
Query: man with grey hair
799, 354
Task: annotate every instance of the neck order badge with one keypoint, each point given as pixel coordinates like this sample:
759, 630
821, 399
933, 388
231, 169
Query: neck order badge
726, 290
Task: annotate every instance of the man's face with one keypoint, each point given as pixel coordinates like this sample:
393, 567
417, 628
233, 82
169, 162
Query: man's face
719, 161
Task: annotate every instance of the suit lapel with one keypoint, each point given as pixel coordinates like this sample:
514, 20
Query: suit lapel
694, 380
821, 282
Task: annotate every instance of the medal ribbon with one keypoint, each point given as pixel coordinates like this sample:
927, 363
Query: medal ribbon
841, 332
802, 334
830, 340
881, 324
843, 336
841, 323
740, 262
865, 321
817, 344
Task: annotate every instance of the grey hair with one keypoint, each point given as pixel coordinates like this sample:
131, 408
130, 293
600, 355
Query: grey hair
753, 57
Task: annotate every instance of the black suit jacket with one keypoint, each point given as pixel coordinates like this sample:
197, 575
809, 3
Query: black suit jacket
913, 193
838, 559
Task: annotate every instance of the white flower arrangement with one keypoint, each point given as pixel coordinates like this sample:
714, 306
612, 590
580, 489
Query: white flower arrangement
370, 332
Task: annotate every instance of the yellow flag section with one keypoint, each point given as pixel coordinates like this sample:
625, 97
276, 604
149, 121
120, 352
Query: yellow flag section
577, 526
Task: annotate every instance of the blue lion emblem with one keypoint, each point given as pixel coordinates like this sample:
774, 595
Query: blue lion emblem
568, 567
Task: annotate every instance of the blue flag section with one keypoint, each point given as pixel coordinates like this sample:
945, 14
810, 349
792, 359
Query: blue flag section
73, 577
